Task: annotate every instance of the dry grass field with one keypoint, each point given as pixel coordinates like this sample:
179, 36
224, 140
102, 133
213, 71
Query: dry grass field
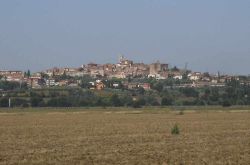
124, 137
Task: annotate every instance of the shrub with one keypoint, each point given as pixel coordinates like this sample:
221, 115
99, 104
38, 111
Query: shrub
175, 130
166, 101
190, 92
136, 104
17, 102
181, 113
226, 103
4, 102
35, 101
115, 100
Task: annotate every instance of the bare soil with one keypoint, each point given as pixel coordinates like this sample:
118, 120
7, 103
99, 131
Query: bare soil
124, 137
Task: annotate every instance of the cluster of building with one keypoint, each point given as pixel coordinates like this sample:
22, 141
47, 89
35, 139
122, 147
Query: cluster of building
123, 69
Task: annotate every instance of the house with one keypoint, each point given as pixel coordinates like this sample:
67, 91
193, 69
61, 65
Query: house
35, 82
123, 62
54, 72
178, 76
195, 76
116, 85
73, 85
8, 72
214, 81
145, 86
63, 83
132, 85
16, 76
74, 72
120, 75
208, 79
95, 70
50, 82
92, 85
100, 86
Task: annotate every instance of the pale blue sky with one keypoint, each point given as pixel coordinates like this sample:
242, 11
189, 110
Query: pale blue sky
211, 35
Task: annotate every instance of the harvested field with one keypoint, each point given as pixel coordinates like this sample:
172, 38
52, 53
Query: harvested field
124, 137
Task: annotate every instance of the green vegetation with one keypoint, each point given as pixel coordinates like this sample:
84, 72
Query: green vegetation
5, 85
175, 130
181, 112
163, 93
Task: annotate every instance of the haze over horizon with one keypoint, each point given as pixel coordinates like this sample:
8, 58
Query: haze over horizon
209, 35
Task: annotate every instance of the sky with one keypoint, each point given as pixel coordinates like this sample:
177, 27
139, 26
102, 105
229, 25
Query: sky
209, 36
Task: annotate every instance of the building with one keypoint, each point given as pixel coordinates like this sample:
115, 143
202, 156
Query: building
157, 68
54, 72
124, 62
100, 86
16, 76
35, 82
195, 76
50, 82
8, 73
145, 86
178, 77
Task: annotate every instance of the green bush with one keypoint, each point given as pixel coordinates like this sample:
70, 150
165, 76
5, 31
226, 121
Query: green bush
181, 113
18, 102
226, 103
175, 130
35, 101
136, 104
4, 102
167, 101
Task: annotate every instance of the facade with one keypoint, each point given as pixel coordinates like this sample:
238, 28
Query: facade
50, 82
35, 82
195, 76
16, 76
100, 86
157, 69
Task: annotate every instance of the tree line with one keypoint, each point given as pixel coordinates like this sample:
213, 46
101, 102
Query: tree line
162, 94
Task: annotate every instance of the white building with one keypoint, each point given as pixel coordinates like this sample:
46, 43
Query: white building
50, 82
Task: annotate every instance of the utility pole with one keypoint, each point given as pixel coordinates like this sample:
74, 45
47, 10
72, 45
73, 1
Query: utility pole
9, 102
21, 81
219, 76
186, 66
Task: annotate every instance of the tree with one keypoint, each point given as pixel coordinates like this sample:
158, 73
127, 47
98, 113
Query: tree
99, 102
141, 101
127, 100
4, 102
115, 100
5, 85
28, 73
185, 76
17, 102
36, 101
136, 104
59, 102
166, 101
226, 103
44, 76
214, 95
175, 69
158, 86
189, 92
206, 74
141, 90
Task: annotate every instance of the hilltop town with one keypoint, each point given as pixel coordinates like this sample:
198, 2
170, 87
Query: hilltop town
124, 69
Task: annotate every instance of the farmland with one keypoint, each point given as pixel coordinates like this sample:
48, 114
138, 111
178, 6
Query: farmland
124, 136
